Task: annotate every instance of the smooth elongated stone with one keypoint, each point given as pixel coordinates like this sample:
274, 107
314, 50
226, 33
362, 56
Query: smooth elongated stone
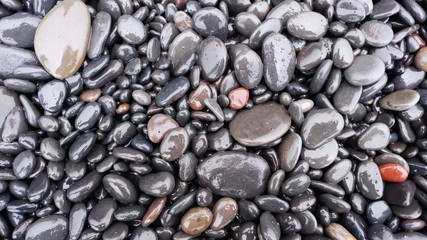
369, 181
11, 58
62, 38
12, 27
50, 228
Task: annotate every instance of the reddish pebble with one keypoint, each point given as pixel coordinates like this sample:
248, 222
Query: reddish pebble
122, 108
392, 172
238, 98
153, 211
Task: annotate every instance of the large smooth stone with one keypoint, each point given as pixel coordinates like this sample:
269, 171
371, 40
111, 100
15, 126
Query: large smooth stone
261, 124
120, 188
174, 144
14, 124
400, 194
365, 70
320, 126
369, 181
9, 100
12, 28
211, 21
52, 95
48, 228
12, 58
62, 38
401, 100
376, 137
186, 42
279, 59
377, 34
307, 25
322, 156
234, 174
212, 58
131, 29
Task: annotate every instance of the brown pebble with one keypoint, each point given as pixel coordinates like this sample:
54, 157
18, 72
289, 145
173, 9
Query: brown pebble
224, 211
123, 108
337, 232
421, 59
196, 220
158, 125
196, 97
153, 211
90, 95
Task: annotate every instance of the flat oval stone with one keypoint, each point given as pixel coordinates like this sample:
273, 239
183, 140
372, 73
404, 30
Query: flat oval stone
377, 34
186, 42
51, 150
62, 38
322, 156
410, 79
263, 30
342, 53
120, 188
101, 215
320, 126
196, 220
279, 59
211, 21
248, 68
369, 181
52, 95
421, 59
9, 100
131, 29
12, 27
365, 70
289, 151
246, 23
392, 172
172, 91
174, 144
338, 171
49, 228
346, 97
11, 58
378, 212
307, 25
311, 56
338, 232
158, 125
157, 184
401, 194
88, 116
401, 100
296, 184
212, 58
260, 125
234, 174
100, 29
14, 124
284, 10
124, 132
386, 158
376, 137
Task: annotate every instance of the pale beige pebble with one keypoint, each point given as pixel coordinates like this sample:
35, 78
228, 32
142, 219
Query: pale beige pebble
337, 232
62, 38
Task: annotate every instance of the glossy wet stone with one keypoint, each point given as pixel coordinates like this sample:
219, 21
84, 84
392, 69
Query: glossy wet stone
51, 150
210, 21
120, 188
174, 144
246, 23
224, 211
412, 211
311, 56
249, 129
307, 25
50, 227
349, 11
369, 181
172, 91
12, 58
400, 194
158, 125
100, 28
378, 212
346, 97
52, 95
393, 172
153, 211
12, 26
308, 222
84, 187
289, 151
82, 146
400, 100
320, 126
279, 60
268, 228
338, 232
271, 203
212, 58
377, 34
238, 98
10, 100
196, 220
295, 185
342, 53
14, 124
101, 215
186, 42
234, 165
375, 137
338, 171
157, 184
421, 59
365, 70
61, 42
263, 30
248, 68
23, 164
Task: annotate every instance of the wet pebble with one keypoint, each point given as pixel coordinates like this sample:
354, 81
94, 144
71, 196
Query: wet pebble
307, 25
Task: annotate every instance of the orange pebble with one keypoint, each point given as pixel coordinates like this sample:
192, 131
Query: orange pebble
122, 108
238, 98
392, 172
